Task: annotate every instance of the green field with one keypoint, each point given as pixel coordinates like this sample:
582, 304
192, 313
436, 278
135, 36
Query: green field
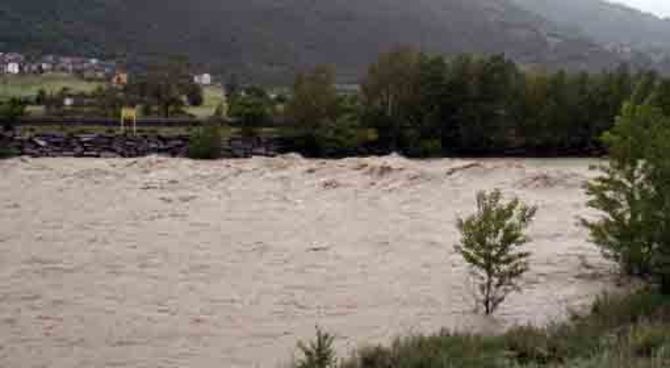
29, 85
213, 97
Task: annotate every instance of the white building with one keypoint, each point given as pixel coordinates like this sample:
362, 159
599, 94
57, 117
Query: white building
203, 79
13, 68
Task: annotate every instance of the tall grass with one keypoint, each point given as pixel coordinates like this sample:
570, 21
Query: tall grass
619, 331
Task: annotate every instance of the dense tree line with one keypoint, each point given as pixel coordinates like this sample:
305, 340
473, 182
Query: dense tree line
424, 105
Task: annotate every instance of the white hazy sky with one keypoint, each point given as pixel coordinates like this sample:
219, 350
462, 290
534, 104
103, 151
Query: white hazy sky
658, 7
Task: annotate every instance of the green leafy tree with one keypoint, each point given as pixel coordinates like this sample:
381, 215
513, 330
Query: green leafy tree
323, 123
318, 353
490, 244
391, 93
633, 194
252, 110
165, 85
314, 99
657, 157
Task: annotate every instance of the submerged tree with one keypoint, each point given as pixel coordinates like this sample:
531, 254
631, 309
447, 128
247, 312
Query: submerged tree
319, 353
490, 242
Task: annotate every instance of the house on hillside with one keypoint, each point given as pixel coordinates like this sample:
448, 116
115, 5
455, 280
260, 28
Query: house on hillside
120, 79
204, 79
13, 68
36, 68
11, 63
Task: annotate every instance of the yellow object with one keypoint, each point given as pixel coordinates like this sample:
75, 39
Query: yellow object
128, 114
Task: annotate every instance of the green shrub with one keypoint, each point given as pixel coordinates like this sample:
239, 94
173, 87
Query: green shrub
206, 142
529, 345
628, 330
318, 353
489, 244
645, 340
436, 351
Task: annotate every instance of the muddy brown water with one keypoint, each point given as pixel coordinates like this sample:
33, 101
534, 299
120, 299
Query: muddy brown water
159, 262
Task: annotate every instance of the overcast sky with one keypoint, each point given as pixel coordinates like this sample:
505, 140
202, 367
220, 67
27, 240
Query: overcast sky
658, 7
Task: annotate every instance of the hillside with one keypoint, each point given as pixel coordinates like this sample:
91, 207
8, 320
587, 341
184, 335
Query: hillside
268, 38
612, 25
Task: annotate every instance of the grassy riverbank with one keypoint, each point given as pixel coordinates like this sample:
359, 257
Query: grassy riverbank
620, 331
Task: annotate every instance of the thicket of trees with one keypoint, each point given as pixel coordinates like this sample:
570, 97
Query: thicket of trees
321, 122
423, 105
164, 90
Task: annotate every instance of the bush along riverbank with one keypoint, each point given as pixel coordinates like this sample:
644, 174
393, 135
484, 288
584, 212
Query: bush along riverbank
620, 331
632, 197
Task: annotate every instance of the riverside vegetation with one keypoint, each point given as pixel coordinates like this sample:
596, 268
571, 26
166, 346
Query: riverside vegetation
422, 105
629, 330
409, 102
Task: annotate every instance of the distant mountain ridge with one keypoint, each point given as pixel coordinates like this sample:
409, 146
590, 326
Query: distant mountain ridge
617, 27
270, 39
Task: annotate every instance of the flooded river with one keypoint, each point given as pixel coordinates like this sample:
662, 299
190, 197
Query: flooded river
159, 262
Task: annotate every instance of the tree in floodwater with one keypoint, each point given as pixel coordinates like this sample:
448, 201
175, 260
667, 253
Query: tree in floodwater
490, 243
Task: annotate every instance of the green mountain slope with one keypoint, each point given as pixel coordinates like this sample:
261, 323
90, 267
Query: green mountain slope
610, 24
275, 37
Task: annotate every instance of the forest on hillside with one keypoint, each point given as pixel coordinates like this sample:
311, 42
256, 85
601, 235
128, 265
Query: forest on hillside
270, 40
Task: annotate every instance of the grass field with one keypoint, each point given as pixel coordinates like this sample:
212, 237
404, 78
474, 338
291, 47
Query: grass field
29, 85
213, 97
23, 86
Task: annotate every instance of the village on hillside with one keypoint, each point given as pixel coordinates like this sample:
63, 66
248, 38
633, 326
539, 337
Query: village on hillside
15, 63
